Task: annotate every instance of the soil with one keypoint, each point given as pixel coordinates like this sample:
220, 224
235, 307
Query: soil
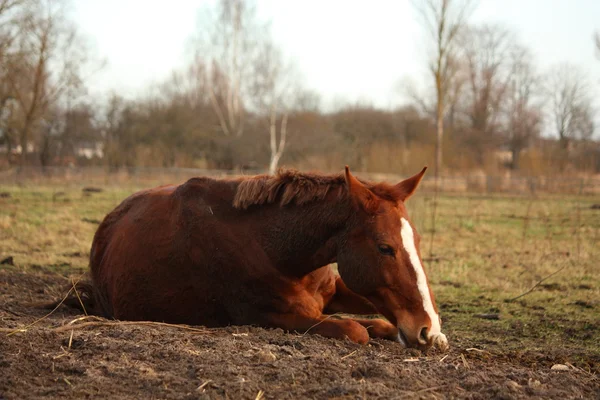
134, 361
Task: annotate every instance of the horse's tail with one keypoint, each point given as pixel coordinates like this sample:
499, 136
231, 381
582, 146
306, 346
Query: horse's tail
85, 297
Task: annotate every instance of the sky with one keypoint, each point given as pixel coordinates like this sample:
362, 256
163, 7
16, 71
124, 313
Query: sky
348, 51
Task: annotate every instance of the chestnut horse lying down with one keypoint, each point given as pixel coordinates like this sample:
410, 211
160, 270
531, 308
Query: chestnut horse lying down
256, 250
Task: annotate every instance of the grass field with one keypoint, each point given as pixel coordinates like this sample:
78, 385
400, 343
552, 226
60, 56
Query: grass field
486, 252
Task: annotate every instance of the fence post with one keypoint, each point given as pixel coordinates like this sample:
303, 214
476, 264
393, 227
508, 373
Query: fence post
532, 185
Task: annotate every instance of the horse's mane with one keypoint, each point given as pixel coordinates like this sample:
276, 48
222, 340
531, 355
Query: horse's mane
291, 186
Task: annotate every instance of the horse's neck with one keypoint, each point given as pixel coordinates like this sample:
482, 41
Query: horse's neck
304, 238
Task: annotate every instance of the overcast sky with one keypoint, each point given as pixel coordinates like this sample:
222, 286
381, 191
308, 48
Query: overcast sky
346, 50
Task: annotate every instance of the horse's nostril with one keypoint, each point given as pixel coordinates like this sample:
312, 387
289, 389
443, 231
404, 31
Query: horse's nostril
423, 339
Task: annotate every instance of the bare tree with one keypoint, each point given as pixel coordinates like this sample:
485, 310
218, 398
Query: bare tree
523, 104
444, 20
10, 13
227, 50
112, 126
44, 63
597, 43
570, 105
28, 72
246, 74
185, 86
422, 100
276, 93
487, 70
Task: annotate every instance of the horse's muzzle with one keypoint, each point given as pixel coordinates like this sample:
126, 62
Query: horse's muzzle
438, 340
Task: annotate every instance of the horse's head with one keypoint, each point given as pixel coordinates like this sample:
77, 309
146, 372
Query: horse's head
379, 258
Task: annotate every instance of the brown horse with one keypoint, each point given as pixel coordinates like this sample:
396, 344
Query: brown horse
257, 250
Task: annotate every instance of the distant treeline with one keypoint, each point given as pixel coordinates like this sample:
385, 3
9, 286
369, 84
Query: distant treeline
240, 104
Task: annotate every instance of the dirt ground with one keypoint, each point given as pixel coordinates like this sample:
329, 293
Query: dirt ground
134, 361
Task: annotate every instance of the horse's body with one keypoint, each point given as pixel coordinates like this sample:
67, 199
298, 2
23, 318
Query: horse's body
243, 251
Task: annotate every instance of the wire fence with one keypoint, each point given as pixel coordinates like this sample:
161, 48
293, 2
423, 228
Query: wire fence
145, 176
531, 226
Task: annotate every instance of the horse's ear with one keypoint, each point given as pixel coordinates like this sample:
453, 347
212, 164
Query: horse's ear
360, 194
407, 187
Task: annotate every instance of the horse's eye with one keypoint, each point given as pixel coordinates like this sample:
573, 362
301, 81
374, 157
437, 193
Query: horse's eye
386, 250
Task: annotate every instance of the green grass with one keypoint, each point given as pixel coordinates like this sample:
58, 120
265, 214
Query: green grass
486, 250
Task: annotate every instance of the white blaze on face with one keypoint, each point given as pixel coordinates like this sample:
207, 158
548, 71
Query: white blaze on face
408, 240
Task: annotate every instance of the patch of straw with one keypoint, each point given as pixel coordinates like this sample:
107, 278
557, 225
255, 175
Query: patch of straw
464, 360
24, 329
320, 322
478, 350
204, 385
349, 355
77, 294
104, 322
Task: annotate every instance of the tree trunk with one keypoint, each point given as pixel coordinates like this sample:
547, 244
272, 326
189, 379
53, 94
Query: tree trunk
274, 163
8, 140
277, 149
514, 164
45, 151
438, 140
23, 139
563, 153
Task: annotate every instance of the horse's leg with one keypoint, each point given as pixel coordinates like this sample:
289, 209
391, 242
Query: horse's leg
322, 325
305, 316
379, 328
346, 301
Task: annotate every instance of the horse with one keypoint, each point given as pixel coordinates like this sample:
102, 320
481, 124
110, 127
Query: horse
257, 251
